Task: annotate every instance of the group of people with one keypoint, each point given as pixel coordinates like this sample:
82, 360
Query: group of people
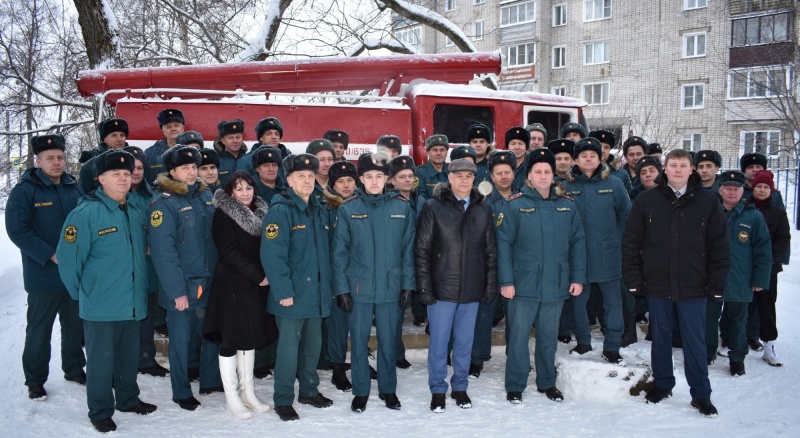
265, 262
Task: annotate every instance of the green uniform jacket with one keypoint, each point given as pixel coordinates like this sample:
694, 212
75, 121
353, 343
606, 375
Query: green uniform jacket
142, 198
295, 254
429, 177
541, 246
751, 253
180, 241
267, 193
520, 176
155, 164
102, 259
483, 172
35, 214
604, 206
228, 163
246, 163
633, 181
373, 248
87, 177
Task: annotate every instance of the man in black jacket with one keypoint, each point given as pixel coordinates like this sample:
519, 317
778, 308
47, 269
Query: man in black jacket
685, 262
455, 255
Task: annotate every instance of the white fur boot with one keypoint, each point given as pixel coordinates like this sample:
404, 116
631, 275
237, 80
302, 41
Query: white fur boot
230, 381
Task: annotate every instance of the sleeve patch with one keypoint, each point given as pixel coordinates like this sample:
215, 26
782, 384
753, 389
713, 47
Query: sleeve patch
70, 233
156, 218
271, 231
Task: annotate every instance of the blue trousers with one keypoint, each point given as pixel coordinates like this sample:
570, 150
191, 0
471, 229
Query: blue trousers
482, 342
337, 335
400, 347
360, 319
147, 328
574, 318
522, 313
733, 316
112, 357
183, 328
43, 307
691, 319
448, 318
299, 344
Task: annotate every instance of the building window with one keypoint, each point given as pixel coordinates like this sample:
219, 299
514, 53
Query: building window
596, 53
693, 142
758, 82
477, 30
518, 14
596, 94
694, 4
449, 5
559, 15
694, 45
559, 56
559, 91
692, 96
518, 55
410, 36
765, 142
478, 2
596, 10
761, 30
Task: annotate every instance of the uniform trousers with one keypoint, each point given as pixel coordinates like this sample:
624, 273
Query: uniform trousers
43, 307
183, 327
112, 357
147, 328
299, 344
360, 323
735, 320
522, 313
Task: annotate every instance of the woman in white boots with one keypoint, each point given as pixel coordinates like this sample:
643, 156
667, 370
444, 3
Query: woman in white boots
236, 316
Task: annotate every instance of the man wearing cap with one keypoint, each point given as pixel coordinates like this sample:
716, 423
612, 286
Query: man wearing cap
633, 150
518, 141
208, 170
538, 135
434, 170
230, 147
191, 138
654, 150
573, 131
323, 150
479, 137
463, 151
113, 134
455, 255
677, 279
184, 255
502, 166
35, 212
172, 123
269, 132
543, 227
391, 145
750, 268
607, 141
562, 149
603, 205
340, 140
751, 164
295, 255
647, 170
373, 275
104, 267
708, 163
266, 161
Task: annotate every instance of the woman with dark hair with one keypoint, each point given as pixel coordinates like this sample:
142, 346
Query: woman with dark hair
236, 317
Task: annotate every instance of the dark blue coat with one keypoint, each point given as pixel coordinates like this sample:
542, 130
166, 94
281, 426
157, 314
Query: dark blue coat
428, 177
228, 163
155, 164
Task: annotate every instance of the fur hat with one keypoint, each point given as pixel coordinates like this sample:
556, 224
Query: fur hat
501, 156
401, 162
708, 155
170, 115
320, 145
265, 125
463, 151
561, 145
333, 135
765, 177
518, 133
462, 165
604, 136
573, 127
634, 141
537, 127
108, 126
190, 137
340, 169
113, 160
227, 127
648, 160
137, 153
752, 158
479, 130
179, 155
294, 163
41, 143
436, 140
732, 177
391, 142
373, 161
266, 154
588, 144
540, 155
209, 156
654, 148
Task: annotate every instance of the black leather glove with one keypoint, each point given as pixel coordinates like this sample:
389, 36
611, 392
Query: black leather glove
345, 302
426, 298
487, 298
637, 291
406, 297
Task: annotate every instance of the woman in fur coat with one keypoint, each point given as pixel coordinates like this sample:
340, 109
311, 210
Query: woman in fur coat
236, 316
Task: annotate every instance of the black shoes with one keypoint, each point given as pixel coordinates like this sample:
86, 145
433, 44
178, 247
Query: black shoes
262, 373
193, 374
565, 339
373, 375
154, 370
705, 407
37, 393
359, 403
189, 403
581, 349
475, 370
391, 400
437, 403
79, 378
514, 397
210, 389
629, 336
287, 413
737, 369
419, 321
462, 399
403, 364
552, 393
755, 345
141, 408
641, 318
105, 425
613, 357
339, 378
318, 401
656, 395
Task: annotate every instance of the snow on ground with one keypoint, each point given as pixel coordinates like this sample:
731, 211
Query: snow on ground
758, 404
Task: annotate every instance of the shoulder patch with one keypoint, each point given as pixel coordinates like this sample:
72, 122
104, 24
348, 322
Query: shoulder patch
271, 231
499, 220
514, 196
70, 233
156, 218
416, 181
743, 236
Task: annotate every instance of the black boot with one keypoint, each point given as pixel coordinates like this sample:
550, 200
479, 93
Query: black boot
339, 378
629, 335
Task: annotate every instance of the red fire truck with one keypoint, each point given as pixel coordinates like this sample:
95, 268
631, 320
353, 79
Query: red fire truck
414, 96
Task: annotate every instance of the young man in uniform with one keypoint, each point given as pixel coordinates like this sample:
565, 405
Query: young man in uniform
266, 161
573, 131
633, 149
708, 163
113, 134
647, 170
172, 123
562, 149
324, 151
435, 170
191, 138
230, 147
208, 170
479, 137
391, 145
340, 141
607, 141
518, 141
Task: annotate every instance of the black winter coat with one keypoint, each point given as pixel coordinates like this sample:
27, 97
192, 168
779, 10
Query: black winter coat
236, 315
779, 232
676, 248
455, 251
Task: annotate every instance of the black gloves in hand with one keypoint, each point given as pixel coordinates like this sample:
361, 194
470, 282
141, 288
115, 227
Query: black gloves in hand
426, 298
345, 302
637, 290
406, 296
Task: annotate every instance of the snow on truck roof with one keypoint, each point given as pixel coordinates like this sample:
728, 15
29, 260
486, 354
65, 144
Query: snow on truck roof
423, 87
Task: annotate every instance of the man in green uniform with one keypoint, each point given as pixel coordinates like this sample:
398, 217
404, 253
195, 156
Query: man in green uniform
113, 133
230, 147
479, 137
266, 161
172, 123
435, 170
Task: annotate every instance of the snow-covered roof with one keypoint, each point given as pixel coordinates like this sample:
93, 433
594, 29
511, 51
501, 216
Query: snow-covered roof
424, 87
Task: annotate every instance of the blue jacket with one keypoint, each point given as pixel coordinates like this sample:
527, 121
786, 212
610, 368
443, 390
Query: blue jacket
267, 193
622, 174
604, 206
246, 163
428, 177
541, 246
373, 248
228, 163
483, 171
35, 214
102, 259
155, 165
142, 198
295, 254
751, 253
87, 177
181, 244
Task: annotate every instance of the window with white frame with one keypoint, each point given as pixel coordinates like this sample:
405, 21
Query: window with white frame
596, 94
559, 91
694, 4
477, 30
518, 13
694, 45
559, 56
518, 55
559, 15
758, 82
596, 53
596, 10
692, 96
410, 36
449, 5
764, 29
765, 142
693, 142
478, 2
